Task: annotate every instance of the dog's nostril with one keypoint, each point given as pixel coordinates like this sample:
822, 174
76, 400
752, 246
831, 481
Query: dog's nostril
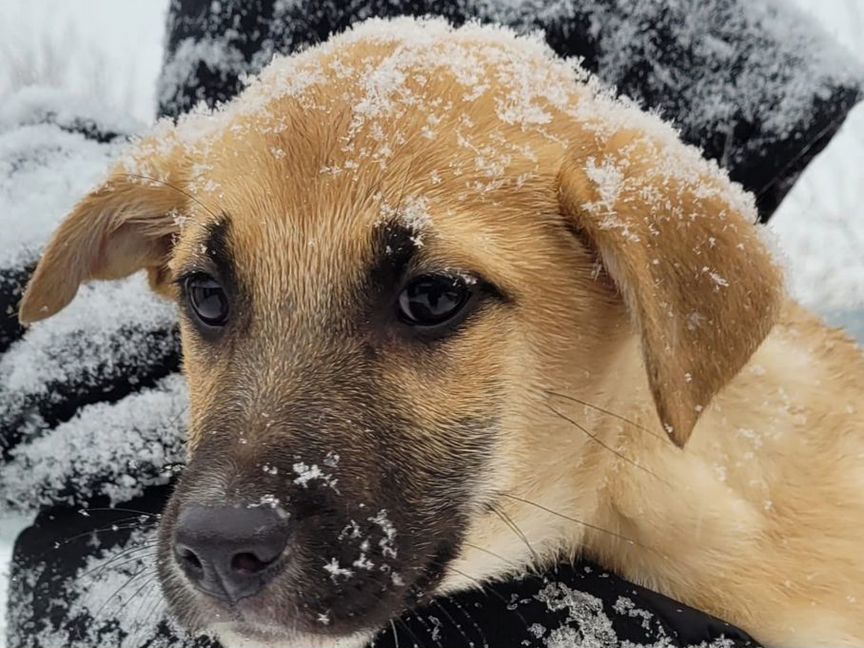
230, 552
249, 563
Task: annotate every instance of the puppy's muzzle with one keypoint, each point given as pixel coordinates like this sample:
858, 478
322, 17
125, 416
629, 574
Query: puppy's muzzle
230, 553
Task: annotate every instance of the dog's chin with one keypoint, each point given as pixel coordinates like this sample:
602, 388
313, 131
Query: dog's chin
241, 635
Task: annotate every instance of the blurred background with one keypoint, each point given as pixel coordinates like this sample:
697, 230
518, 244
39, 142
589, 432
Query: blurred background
110, 51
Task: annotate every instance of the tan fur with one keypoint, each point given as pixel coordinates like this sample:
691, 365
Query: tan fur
651, 303
122, 227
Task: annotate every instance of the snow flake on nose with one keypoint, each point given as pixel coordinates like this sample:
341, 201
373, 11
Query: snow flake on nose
363, 561
309, 473
336, 571
351, 530
388, 542
271, 501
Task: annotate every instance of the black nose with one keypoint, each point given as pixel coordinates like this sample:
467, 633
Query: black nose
230, 553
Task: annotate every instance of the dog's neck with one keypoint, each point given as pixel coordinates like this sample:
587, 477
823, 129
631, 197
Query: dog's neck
700, 524
602, 479
558, 501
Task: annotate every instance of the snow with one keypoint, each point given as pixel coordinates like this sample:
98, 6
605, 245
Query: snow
216, 54
800, 60
64, 168
825, 268
110, 323
413, 212
123, 437
57, 59
824, 262
608, 179
306, 473
336, 571
10, 526
107, 52
588, 625
532, 88
388, 542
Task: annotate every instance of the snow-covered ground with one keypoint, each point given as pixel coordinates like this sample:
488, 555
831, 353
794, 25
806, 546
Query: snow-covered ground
111, 50
9, 528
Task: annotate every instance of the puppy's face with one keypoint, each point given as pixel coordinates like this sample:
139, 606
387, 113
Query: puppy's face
386, 260
352, 374
366, 364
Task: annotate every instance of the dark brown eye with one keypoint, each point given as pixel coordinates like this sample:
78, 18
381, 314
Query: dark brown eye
207, 300
433, 300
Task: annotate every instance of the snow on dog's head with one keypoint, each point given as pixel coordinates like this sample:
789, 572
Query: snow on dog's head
398, 255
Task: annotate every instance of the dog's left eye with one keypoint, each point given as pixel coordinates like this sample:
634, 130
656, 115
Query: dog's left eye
433, 300
207, 300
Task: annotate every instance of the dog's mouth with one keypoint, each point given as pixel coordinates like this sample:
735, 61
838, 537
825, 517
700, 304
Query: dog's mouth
246, 635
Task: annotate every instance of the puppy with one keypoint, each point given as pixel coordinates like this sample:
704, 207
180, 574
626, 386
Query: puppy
450, 311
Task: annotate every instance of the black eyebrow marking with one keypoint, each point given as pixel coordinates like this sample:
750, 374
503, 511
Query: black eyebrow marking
217, 248
216, 258
216, 252
394, 248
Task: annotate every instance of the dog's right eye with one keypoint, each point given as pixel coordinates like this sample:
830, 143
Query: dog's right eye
207, 300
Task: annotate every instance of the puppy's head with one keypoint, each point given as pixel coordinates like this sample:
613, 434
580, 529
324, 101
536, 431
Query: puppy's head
387, 254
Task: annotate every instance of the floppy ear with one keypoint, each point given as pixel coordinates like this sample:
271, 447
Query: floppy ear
678, 240
124, 226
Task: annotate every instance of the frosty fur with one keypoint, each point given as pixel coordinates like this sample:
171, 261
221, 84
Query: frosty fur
641, 287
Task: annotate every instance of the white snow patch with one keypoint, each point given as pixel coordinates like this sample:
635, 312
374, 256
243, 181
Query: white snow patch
10, 527
308, 473
336, 571
113, 449
388, 542
609, 179
85, 51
